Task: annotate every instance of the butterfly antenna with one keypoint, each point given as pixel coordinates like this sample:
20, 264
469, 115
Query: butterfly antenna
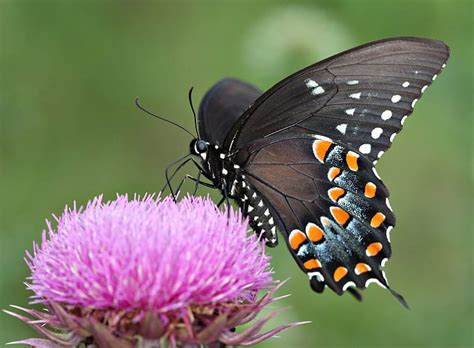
190, 97
137, 103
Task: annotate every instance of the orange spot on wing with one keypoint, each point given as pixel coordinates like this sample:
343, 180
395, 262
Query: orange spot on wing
320, 149
373, 249
370, 190
340, 273
314, 232
333, 173
335, 193
296, 239
351, 160
339, 214
377, 220
312, 264
362, 268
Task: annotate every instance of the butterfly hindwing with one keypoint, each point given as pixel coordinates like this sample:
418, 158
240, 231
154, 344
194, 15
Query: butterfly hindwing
331, 206
360, 97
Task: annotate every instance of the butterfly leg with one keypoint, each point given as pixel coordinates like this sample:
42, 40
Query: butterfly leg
169, 178
197, 182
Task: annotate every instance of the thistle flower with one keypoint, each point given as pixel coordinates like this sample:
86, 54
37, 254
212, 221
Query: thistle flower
148, 273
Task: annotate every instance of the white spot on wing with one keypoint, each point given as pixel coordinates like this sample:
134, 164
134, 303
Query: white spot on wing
443, 66
403, 119
387, 114
347, 285
355, 95
383, 262
317, 90
406, 84
387, 202
249, 209
352, 82
380, 154
376, 174
365, 148
374, 280
224, 171
392, 137
396, 98
376, 132
322, 137
350, 111
413, 103
221, 156
266, 213
311, 83
424, 89
342, 128
389, 231
434, 77
318, 276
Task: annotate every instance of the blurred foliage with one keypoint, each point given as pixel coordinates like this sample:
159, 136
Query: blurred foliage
70, 70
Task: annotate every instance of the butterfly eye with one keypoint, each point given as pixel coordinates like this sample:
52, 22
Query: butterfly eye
200, 146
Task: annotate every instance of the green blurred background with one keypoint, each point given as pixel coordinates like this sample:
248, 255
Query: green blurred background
70, 70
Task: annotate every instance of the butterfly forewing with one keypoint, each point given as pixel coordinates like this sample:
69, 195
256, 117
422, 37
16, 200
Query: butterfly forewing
360, 97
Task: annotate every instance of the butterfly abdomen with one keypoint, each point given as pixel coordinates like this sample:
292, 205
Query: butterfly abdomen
258, 213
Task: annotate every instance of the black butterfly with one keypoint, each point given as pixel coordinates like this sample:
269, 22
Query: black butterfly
300, 158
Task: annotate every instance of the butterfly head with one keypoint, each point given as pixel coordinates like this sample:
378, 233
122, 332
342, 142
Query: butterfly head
198, 147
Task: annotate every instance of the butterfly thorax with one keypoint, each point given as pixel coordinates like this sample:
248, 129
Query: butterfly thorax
229, 178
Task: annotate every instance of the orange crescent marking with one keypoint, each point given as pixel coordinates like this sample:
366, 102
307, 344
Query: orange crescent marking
333, 173
320, 149
311, 264
340, 215
351, 159
314, 233
340, 273
362, 268
377, 220
335, 193
296, 239
374, 248
370, 190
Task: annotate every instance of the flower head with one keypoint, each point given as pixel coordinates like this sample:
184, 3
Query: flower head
123, 272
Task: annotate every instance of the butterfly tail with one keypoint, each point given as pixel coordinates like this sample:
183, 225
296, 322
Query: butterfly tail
399, 298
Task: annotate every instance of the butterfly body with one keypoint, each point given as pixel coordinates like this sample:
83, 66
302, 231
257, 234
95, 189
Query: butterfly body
300, 158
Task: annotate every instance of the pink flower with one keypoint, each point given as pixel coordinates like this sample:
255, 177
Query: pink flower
149, 271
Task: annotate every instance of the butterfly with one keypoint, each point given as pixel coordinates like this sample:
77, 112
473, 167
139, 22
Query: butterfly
300, 158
